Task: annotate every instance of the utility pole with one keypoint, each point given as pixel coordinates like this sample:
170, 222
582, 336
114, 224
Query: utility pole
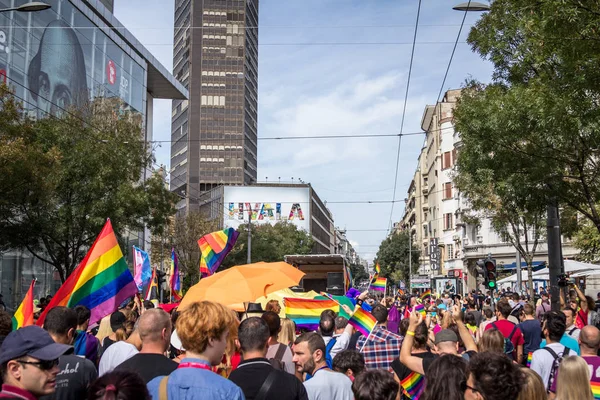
409, 260
556, 266
249, 260
518, 264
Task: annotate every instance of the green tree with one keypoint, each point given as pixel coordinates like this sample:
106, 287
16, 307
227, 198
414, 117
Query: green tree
269, 243
393, 256
62, 176
358, 273
539, 117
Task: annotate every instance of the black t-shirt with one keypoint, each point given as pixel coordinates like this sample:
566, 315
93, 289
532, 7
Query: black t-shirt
427, 361
402, 371
148, 366
251, 374
74, 378
353, 340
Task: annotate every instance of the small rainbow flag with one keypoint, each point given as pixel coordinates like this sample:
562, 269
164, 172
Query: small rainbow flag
214, 248
152, 292
595, 389
420, 308
379, 284
24, 314
101, 282
413, 385
363, 321
529, 356
376, 274
426, 295
347, 278
175, 281
306, 313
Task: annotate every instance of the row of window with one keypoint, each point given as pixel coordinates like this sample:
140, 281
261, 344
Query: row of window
224, 73
216, 101
219, 147
449, 159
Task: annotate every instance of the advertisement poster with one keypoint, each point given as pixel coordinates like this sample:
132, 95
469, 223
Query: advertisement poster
446, 285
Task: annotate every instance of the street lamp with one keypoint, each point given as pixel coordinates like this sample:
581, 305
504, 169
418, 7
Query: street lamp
28, 7
471, 6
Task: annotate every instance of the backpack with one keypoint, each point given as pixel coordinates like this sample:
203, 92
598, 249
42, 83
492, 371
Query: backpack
277, 361
328, 348
509, 347
555, 364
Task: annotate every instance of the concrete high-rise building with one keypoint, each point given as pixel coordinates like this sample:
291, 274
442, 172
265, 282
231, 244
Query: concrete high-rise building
214, 134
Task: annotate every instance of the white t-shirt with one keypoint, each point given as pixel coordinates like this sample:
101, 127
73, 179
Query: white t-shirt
542, 361
575, 334
286, 359
329, 385
116, 354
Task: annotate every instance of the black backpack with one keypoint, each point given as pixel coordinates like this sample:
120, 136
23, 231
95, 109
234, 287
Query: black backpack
556, 363
509, 347
277, 361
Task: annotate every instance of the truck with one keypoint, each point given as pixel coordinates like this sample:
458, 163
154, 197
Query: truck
324, 272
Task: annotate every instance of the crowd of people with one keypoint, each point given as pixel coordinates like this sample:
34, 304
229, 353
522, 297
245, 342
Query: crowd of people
436, 347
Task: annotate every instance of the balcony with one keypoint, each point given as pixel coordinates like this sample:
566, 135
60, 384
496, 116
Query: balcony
425, 188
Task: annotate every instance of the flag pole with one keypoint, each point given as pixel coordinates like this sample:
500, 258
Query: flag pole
367, 339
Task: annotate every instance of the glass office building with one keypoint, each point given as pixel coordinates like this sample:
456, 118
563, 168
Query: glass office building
74, 51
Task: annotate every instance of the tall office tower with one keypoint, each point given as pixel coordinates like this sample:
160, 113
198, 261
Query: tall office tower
109, 4
214, 134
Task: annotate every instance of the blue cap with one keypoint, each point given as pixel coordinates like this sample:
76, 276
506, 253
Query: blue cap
31, 341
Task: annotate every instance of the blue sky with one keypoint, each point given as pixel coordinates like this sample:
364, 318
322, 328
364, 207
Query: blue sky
346, 88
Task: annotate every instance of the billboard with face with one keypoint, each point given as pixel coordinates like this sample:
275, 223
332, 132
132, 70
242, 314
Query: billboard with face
58, 58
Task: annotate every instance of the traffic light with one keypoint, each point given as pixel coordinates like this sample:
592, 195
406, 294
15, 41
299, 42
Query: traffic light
161, 277
490, 273
480, 270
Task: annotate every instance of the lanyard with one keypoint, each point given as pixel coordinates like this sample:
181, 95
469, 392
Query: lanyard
315, 373
194, 365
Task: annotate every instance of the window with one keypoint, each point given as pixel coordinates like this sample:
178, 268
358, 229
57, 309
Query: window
448, 221
447, 190
450, 252
447, 160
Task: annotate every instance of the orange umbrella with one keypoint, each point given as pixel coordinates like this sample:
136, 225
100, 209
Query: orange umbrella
243, 283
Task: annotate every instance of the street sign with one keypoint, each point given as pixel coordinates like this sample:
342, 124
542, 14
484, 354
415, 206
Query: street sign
434, 254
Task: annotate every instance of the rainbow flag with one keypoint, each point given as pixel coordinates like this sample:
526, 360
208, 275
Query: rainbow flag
529, 357
347, 278
376, 274
413, 385
595, 389
379, 285
152, 292
363, 321
24, 314
330, 297
420, 308
175, 281
306, 313
101, 282
426, 295
214, 248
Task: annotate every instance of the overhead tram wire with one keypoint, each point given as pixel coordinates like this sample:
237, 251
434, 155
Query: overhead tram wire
453, 51
412, 56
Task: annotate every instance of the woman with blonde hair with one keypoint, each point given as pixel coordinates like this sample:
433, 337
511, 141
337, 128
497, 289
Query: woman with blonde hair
573, 380
492, 340
287, 335
533, 387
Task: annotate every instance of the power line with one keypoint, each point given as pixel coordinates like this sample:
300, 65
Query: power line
453, 51
412, 56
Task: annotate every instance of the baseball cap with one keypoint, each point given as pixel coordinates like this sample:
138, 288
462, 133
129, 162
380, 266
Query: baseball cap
446, 335
31, 341
176, 342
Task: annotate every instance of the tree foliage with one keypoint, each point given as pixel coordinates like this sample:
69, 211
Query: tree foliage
393, 254
358, 273
61, 177
269, 243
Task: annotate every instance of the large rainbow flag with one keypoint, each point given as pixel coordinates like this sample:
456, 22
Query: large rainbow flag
306, 313
24, 314
175, 281
363, 321
101, 282
214, 248
379, 285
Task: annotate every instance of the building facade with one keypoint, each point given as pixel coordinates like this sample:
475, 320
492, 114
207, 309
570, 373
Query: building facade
61, 57
270, 203
214, 133
435, 211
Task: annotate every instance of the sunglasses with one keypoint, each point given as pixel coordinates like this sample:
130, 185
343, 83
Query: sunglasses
43, 365
464, 386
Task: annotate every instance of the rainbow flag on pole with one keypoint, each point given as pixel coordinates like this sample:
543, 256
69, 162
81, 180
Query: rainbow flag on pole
376, 274
24, 314
363, 321
426, 295
306, 313
413, 385
347, 278
101, 282
175, 281
379, 285
214, 248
